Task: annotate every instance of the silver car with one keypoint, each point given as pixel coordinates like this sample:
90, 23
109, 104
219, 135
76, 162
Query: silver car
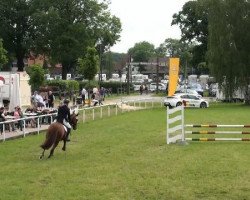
188, 100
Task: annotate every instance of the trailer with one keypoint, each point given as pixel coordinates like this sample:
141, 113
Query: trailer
14, 89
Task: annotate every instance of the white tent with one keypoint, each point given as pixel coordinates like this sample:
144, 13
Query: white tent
14, 91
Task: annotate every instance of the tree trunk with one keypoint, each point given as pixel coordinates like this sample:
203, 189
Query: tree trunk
20, 63
65, 70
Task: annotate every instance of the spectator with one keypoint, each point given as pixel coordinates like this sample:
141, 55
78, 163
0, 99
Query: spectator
2, 118
51, 99
39, 100
94, 99
95, 90
18, 114
83, 93
141, 89
146, 89
102, 94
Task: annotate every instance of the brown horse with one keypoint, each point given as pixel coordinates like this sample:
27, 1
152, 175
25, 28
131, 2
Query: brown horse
56, 133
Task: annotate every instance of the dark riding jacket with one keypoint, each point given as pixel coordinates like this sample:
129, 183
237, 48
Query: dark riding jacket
63, 113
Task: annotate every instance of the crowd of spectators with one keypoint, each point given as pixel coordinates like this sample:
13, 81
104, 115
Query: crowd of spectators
40, 105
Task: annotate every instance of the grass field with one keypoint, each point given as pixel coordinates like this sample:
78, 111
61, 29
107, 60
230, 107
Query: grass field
126, 157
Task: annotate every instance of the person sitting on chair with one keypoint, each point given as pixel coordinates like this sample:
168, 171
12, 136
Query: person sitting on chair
63, 116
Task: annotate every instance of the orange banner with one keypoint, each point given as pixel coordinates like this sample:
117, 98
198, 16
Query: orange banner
174, 64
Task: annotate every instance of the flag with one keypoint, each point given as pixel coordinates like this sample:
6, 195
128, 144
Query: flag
173, 75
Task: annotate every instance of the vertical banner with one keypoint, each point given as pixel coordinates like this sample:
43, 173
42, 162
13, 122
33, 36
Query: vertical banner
173, 75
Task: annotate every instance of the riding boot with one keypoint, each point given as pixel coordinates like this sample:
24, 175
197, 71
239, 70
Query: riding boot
67, 136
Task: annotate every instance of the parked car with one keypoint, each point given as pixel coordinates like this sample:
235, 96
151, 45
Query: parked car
189, 100
197, 87
213, 89
188, 91
161, 86
136, 87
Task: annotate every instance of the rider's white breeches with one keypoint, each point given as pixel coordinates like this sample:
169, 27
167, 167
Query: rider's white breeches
67, 124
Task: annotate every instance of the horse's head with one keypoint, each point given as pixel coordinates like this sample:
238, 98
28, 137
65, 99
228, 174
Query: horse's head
73, 118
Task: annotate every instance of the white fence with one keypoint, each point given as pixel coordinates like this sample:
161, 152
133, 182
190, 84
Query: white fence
37, 119
85, 114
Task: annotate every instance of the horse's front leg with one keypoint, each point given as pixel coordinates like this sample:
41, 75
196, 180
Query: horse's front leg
42, 154
53, 148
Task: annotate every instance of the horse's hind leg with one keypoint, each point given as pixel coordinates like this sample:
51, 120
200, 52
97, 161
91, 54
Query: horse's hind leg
53, 148
64, 145
41, 156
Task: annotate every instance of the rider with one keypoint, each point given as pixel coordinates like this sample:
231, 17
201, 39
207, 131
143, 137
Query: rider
63, 116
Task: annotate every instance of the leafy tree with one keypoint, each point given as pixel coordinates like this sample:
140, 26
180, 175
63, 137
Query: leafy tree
15, 28
88, 65
229, 40
177, 48
71, 26
113, 62
193, 22
3, 55
37, 79
142, 52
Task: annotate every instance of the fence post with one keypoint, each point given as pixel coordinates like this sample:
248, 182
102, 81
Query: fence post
93, 114
101, 111
38, 125
4, 132
24, 127
116, 109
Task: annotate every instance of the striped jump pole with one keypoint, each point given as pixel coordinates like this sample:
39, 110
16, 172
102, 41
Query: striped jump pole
216, 139
201, 132
218, 132
215, 126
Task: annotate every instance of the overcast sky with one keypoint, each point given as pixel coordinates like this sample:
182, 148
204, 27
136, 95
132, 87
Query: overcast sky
145, 20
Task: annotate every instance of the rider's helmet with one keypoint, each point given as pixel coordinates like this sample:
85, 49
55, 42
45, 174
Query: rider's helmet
66, 101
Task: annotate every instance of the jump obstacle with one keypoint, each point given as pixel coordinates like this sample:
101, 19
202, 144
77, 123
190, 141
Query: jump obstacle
176, 129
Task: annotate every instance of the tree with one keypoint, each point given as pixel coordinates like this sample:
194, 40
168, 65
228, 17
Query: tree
3, 55
193, 22
37, 79
142, 52
15, 28
71, 26
177, 48
88, 65
228, 47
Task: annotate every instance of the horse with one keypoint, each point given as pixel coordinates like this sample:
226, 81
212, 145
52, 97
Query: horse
55, 133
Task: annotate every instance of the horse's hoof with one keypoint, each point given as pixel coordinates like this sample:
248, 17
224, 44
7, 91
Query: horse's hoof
40, 157
63, 149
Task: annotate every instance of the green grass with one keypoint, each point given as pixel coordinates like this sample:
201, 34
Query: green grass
126, 157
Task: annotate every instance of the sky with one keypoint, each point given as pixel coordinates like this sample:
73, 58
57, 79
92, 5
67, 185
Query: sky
145, 20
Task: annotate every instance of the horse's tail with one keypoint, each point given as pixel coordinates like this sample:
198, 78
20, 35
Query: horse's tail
50, 139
